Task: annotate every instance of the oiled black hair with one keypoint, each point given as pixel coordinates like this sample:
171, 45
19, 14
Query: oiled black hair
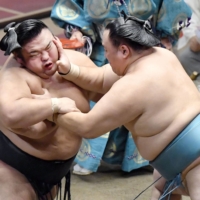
132, 31
19, 34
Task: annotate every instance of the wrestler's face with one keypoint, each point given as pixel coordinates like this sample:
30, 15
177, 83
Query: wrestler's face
113, 54
40, 55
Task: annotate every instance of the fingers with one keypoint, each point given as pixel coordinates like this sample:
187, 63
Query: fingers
45, 95
34, 96
67, 105
45, 91
75, 110
58, 44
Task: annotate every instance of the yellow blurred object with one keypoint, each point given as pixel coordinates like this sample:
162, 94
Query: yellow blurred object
194, 75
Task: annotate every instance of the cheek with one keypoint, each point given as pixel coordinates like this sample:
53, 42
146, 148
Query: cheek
108, 55
53, 54
33, 64
105, 54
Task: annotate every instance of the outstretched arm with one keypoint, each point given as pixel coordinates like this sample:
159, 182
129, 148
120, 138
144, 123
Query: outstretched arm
110, 112
95, 79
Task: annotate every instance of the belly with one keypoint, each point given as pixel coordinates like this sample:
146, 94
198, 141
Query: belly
59, 145
151, 142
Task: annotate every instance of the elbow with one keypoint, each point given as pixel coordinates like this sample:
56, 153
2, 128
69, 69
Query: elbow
10, 118
88, 136
83, 132
88, 132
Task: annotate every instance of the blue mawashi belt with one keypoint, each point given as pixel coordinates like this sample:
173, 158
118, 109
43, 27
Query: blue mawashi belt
181, 152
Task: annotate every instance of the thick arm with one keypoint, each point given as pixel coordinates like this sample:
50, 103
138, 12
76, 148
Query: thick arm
111, 111
98, 79
18, 109
91, 78
36, 131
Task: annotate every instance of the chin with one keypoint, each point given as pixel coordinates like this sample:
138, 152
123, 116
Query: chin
117, 73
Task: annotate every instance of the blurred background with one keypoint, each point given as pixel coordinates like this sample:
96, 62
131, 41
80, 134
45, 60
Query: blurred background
109, 182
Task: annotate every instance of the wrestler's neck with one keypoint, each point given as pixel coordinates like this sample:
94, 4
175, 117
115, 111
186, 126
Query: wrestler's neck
53, 78
136, 57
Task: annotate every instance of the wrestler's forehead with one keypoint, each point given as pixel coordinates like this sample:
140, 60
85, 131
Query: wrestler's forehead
39, 42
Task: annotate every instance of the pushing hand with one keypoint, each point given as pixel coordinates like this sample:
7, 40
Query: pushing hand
63, 63
45, 95
64, 105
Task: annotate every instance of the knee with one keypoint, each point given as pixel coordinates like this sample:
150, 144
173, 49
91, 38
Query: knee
160, 181
27, 193
14, 185
20, 192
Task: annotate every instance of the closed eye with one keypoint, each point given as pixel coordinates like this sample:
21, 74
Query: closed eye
33, 54
49, 46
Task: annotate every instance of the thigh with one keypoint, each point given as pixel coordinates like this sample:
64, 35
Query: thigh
160, 181
14, 185
192, 180
158, 186
52, 194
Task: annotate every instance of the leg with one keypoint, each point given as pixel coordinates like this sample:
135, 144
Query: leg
159, 186
52, 194
14, 185
193, 182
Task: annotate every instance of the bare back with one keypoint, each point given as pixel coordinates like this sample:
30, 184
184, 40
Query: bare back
59, 143
166, 100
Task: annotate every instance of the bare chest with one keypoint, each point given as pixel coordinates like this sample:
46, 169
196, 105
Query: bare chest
62, 88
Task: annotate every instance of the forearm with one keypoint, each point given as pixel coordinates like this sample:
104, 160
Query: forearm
36, 131
26, 112
79, 124
99, 79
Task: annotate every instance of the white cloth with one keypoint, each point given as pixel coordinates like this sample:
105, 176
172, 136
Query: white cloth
189, 32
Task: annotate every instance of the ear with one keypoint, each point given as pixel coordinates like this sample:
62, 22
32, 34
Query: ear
19, 60
124, 50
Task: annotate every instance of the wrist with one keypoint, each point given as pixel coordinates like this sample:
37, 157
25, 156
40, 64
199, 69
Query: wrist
55, 116
63, 74
54, 105
72, 74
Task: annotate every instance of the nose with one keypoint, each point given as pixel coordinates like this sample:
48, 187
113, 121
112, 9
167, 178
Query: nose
44, 55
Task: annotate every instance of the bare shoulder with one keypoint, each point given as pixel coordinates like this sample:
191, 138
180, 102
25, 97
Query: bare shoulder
12, 75
14, 69
130, 85
79, 58
10, 70
164, 53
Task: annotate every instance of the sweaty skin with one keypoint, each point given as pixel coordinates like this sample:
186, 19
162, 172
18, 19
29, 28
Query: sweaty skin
158, 86
39, 137
152, 97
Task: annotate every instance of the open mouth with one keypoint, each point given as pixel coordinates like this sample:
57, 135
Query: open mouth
48, 66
